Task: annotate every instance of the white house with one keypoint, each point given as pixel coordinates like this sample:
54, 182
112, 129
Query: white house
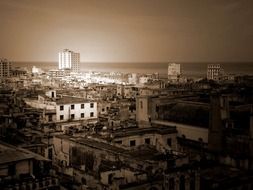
70, 108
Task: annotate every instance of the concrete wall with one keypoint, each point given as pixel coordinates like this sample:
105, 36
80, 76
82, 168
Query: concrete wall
158, 140
22, 167
189, 131
142, 109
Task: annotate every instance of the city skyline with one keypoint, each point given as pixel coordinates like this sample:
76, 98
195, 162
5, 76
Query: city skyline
128, 31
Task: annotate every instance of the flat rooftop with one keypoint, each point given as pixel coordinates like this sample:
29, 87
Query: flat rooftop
141, 131
143, 153
70, 100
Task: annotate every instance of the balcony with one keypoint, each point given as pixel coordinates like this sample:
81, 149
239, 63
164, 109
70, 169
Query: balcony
30, 184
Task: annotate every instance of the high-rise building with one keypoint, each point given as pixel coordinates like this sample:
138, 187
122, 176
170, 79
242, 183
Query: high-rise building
5, 68
174, 72
69, 60
214, 71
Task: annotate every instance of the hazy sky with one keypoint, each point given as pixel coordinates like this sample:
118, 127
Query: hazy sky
127, 30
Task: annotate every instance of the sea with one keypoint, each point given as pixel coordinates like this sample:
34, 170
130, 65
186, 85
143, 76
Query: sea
189, 69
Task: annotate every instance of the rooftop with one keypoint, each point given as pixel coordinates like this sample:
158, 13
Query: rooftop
70, 100
9, 153
140, 131
139, 153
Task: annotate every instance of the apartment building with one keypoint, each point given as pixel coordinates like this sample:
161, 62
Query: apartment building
214, 72
5, 68
69, 60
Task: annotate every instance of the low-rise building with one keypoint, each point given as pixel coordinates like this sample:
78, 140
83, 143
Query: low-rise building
22, 169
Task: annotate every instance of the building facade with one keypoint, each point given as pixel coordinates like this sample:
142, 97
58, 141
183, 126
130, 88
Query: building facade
75, 109
69, 60
214, 72
5, 68
174, 72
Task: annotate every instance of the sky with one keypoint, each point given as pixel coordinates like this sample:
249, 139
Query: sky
127, 30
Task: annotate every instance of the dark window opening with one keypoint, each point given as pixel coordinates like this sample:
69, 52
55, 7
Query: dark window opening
169, 141
132, 143
147, 141
12, 170
50, 118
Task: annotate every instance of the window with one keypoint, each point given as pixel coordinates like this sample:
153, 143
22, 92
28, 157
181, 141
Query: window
91, 105
192, 181
171, 184
141, 104
103, 109
61, 117
61, 108
147, 141
182, 183
91, 114
169, 141
82, 106
72, 116
118, 142
132, 143
12, 170
50, 153
72, 106
82, 115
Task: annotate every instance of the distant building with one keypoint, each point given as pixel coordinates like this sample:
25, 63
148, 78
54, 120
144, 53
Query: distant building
18, 72
174, 72
36, 70
69, 60
5, 68
214, 72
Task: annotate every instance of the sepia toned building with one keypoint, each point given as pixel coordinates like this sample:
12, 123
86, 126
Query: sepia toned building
5, 68
214, 72
22, 169
69, 60
174, 72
